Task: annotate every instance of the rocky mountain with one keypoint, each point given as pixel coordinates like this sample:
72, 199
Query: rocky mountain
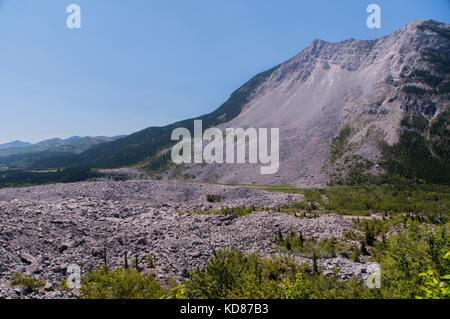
343, 106
345, 110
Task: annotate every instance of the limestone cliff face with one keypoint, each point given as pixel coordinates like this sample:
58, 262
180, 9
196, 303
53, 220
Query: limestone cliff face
362, 89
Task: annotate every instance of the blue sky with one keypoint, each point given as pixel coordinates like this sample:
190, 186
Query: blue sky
142, 63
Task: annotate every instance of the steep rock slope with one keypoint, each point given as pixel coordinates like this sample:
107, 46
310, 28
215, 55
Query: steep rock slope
335, 102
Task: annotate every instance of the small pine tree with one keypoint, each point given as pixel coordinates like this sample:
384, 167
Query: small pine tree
301, 240
279, 236
369, 234
315, 267
125, 263
364, 249
356, 254
136, 263
288, 243
149, 261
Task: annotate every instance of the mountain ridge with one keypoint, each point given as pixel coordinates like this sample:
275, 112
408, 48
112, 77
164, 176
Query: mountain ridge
368, 85
18, 154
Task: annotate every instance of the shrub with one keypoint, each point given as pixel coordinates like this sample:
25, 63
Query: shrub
408, 253
433, 287
326, 287
299, 288
26, 282
120, 284
356, 254
232, 274
149, 261
214, 198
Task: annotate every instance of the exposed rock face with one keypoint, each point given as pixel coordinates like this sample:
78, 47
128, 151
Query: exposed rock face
46, 228
314, 94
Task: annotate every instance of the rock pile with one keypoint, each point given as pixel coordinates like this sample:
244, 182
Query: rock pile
46, 228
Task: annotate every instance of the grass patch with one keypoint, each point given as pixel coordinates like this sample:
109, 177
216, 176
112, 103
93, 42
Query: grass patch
420, 199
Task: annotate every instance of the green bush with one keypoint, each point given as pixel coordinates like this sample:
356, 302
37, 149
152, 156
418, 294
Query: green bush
212, 198
327, 287
120, 284
232, 274
26, 282
433, 287
407, 254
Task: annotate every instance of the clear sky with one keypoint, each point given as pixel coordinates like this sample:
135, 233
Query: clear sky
140, 63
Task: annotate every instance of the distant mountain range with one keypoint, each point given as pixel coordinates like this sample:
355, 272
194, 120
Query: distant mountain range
23, 152
74, 144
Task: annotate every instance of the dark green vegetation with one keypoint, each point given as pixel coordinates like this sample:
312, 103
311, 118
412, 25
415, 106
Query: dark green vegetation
18, 178
229, 273
311, 248
423, 151
422, 154
339, 143
158, 163
411, 262
213, 198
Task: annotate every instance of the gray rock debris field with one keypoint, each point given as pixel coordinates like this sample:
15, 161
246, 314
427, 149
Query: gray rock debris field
44, 229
